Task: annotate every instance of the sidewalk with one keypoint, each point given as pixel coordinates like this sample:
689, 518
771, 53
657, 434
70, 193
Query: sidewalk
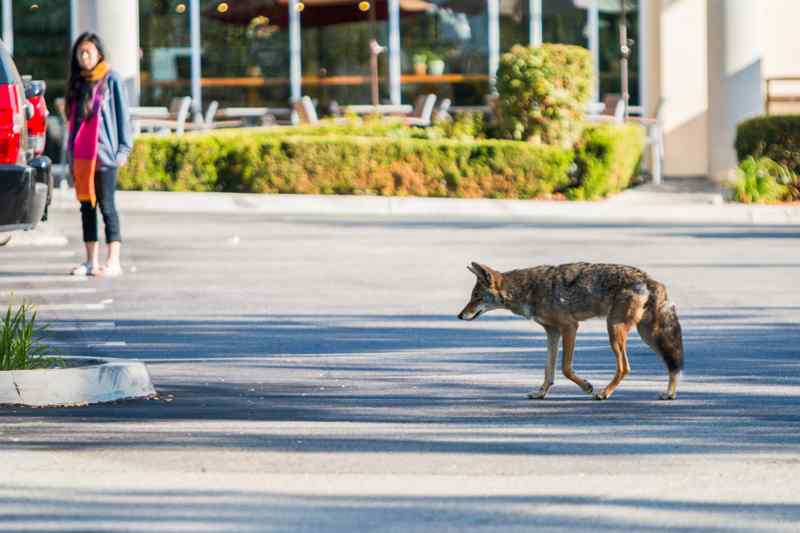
677, 201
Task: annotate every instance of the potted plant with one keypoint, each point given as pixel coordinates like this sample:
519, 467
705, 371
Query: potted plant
435, 64
420, 61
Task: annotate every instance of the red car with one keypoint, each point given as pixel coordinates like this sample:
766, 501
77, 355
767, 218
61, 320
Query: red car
26, 181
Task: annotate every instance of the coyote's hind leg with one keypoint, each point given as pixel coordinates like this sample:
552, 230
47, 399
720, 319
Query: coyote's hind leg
618, 338
553, 337
626, 313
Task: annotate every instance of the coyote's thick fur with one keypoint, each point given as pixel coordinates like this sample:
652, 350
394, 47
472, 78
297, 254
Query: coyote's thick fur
559, 297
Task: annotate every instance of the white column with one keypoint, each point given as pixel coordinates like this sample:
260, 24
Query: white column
74, 26
8, 26
493, 14
117, 24
394, 52
295, 57
535, 22
196, 72
734, 77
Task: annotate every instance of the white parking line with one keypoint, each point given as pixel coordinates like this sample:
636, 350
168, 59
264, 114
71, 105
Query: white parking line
73, 325
70, 307
40, 292
28, 254
106, 344
43, 279
36, 267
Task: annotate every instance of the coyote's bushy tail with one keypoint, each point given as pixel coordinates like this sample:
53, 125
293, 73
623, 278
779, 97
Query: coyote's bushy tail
661, 329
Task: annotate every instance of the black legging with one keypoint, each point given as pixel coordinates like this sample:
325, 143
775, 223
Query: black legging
105, 183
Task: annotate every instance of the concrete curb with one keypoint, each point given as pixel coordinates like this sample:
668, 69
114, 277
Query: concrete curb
630, 207
106, 380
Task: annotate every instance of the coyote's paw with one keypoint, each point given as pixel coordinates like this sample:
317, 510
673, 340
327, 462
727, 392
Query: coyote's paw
539, 394
601, 395
666, 396
588, 389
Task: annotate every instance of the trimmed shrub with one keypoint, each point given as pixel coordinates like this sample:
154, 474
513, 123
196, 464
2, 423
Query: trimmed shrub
381, 161
607, 157
775, 137
543, 92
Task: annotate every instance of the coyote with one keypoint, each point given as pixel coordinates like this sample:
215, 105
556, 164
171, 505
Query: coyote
559, 297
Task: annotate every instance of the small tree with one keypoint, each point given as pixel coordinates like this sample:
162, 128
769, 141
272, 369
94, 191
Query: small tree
543, 92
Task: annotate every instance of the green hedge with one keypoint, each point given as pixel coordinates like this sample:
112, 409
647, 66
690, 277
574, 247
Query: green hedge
775, 137
382, 160
607, 158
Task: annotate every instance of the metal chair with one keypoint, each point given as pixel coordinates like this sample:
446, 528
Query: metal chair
423, 111
654, 126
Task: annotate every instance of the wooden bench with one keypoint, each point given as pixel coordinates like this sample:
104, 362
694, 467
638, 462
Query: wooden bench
774, 96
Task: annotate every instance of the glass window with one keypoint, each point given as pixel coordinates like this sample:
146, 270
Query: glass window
565, 22
609, 51
514, 23
445, 50
41, 49
336, 51
245, 58
165, 53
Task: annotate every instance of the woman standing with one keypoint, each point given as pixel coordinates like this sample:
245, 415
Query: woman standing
99, 142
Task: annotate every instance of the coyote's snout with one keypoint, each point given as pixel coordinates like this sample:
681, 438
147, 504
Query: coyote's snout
559, 297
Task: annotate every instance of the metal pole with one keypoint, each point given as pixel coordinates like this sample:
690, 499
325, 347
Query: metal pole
194, 37
493, 12
8, 26
624, 53
535, 22
644, 51
395, 88
594, 47
295, 65
374, 50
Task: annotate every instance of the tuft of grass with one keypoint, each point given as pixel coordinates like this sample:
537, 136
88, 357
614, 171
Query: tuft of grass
21, 346
763, 180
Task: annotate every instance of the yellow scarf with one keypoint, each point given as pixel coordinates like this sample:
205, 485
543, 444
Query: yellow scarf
97, 73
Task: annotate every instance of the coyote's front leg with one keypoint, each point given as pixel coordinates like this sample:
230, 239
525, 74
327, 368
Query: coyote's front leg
569, 331
553, 336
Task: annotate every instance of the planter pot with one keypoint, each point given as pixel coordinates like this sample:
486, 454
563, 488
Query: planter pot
436, 67
84, 381
420, 69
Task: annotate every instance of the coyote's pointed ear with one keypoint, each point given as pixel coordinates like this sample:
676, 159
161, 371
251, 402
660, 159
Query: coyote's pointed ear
483, 272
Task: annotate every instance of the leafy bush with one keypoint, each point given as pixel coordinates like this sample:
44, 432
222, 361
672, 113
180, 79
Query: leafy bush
763, 181
775, 137
381, 161
21, 344
543, 92
607, 158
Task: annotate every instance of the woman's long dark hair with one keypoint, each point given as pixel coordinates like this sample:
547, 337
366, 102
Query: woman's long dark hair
78, 90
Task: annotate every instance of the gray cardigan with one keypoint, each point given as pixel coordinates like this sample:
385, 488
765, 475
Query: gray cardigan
116, 135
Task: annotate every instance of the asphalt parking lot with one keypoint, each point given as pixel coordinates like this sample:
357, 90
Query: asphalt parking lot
312, 375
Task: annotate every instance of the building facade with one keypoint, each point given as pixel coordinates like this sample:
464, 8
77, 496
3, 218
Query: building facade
702, 62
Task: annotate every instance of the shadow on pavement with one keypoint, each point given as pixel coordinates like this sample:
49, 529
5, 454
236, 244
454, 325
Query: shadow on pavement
440, 377
239, 510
